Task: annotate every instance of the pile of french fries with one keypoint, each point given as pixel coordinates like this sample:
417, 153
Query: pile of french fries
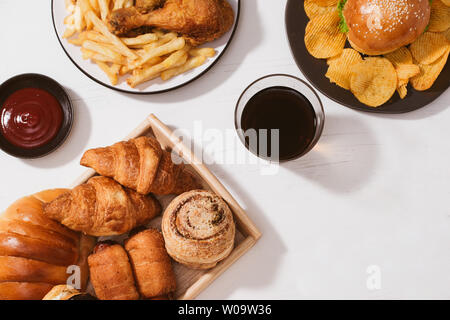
142, 58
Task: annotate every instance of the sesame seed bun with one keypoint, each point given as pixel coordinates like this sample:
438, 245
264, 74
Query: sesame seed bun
382, 26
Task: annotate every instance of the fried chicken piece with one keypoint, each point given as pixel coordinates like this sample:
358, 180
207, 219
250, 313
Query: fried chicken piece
199, 21
145, 6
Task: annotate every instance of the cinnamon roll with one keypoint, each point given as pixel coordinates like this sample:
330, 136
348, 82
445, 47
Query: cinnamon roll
198, 229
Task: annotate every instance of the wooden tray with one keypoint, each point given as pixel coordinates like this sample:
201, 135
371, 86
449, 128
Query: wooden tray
190, 283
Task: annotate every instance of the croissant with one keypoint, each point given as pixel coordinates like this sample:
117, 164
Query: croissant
36, 251
111, 273
142, 165
198, 229
101, 207
151, 263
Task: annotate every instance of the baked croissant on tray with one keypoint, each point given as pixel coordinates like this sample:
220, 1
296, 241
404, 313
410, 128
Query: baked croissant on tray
142, 165
102, 207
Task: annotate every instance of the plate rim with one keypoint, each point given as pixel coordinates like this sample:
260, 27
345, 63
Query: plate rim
147, 92
345, 104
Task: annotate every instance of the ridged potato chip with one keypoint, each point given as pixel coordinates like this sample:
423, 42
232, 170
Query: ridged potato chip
446, 34
402, 91
373, 81
429, 47
429, 73
402, 61
312, 9
325, 3
323, 38
440, 17
400, 56
339, 70
406, 71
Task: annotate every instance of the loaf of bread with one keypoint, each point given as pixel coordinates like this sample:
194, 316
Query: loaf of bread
35, 251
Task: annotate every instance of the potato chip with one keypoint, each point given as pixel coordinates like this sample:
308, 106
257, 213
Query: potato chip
402, 91
429, 73
323, 38
373, 81
429, 47
446, 34
440, 17
446, 2
339, 70
312, 9
402, 61
400, 56
406, 71
325, 3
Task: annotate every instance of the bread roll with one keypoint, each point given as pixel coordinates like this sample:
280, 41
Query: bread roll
35, 251
379, 27
198, 229
111, 274
23, 290
151, 264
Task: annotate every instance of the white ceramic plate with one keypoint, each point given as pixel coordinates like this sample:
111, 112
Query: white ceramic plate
154, 86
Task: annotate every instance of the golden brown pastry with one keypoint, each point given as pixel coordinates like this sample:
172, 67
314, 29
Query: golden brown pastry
151, 264
23, 290
101, 207
111, 274
198, 229
65, 292
142, 165
35, 251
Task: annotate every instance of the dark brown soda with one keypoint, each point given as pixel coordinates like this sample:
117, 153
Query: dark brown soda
285, 109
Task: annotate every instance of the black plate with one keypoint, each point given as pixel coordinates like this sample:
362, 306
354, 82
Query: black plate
33, 80
315, 69
216, 59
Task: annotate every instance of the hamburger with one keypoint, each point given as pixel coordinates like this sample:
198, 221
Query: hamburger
376, 27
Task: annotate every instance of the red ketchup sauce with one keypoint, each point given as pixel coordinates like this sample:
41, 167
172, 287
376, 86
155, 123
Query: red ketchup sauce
30, 118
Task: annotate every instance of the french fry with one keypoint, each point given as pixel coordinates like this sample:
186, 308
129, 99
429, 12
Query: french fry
169, 47
95, 6
140, 40
118, 4
101, 48
70, 31
104, 9
88, 54
141, 75
128, 3
97, 37
101, 26
78, 18
205, 52
190, 64
110, 72
70, 19
85, 6
79, 40
70, 6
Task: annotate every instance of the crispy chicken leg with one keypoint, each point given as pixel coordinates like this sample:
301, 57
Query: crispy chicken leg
199, 21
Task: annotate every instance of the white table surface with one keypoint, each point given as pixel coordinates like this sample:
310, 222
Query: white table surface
375, 192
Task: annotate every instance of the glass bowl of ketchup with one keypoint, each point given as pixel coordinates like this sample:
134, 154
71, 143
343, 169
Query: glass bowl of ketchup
36, 115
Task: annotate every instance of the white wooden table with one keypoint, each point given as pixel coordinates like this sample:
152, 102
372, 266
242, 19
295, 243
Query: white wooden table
365, 215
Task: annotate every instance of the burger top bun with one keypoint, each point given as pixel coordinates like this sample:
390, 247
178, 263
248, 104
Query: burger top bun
382, 26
